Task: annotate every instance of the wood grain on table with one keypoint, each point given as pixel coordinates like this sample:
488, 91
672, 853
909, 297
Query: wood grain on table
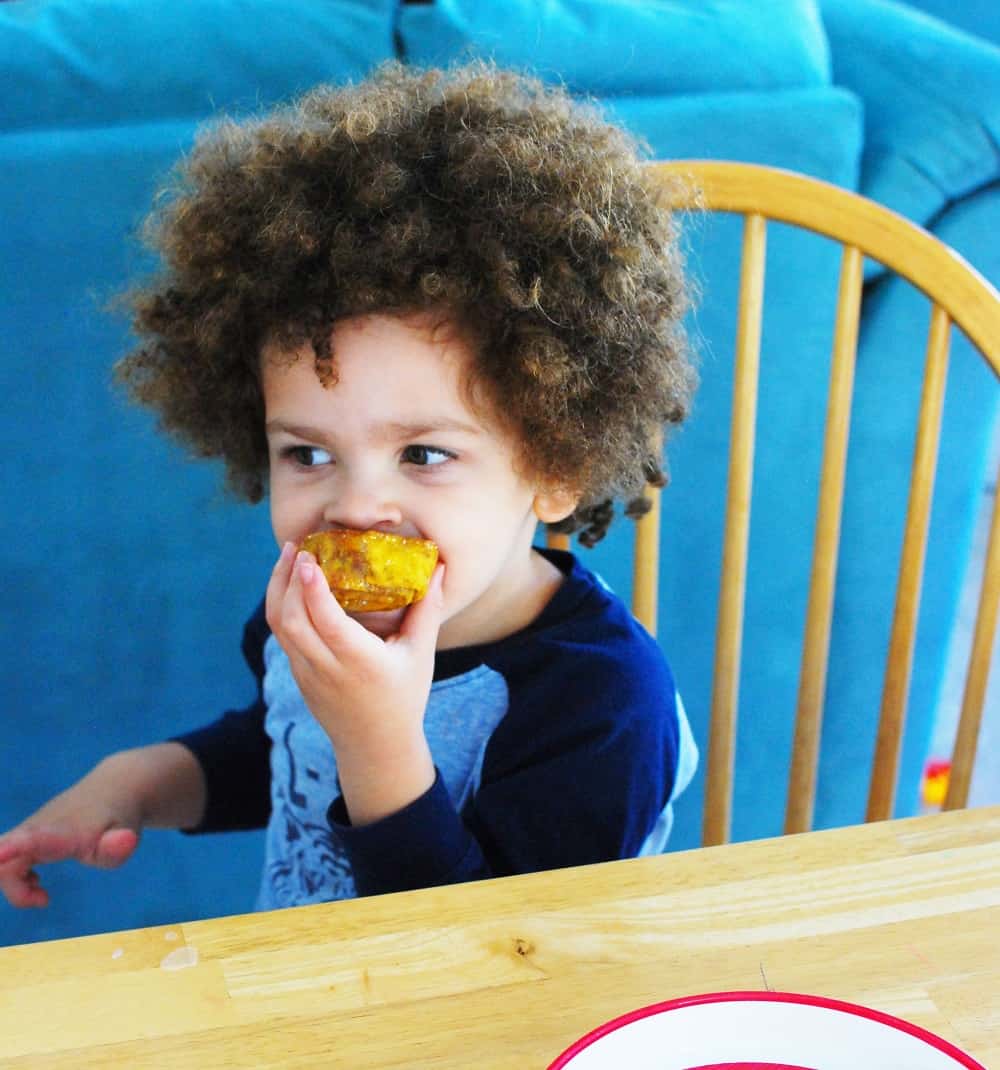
902, 916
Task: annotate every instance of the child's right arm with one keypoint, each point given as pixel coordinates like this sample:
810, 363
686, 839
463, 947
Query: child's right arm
98, 821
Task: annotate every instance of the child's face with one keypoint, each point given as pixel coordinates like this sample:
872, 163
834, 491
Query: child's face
395, 445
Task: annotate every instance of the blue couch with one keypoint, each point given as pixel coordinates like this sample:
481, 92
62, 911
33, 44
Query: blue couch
128, 574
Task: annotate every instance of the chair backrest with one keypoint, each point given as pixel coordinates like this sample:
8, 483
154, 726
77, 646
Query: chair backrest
957, 294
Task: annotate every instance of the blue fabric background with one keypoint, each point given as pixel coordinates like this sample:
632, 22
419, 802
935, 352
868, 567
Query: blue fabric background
102, 62
929, 140
617, 47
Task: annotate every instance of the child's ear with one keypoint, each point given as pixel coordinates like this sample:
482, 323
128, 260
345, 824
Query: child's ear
555, 504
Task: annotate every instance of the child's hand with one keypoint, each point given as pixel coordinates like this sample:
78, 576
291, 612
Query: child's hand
89, 823
368, 693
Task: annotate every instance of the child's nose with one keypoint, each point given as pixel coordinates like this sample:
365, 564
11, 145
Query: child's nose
363, 506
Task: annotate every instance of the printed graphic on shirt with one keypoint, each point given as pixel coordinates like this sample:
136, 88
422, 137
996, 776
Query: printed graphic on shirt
311, 864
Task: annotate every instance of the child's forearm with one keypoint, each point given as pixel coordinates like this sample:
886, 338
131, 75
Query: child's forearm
377, 785
165, 779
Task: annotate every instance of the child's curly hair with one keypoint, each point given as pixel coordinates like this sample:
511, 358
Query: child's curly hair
522, 216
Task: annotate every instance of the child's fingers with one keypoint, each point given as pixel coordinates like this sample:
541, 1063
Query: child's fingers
277, 586
10, 848
23, 849
289, 618
326, 615
33, 894
22, 888
56, 845
296, 626
42, 844
423, 619
28, 846
19, 882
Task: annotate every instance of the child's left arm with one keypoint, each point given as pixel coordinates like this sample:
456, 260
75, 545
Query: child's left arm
368, 694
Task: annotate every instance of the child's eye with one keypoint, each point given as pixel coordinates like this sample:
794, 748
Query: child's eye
308, 456
426, 456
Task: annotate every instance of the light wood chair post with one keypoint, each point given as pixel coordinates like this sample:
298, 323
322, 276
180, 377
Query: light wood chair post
819, 611
882, 788
729, 626
646, 563
984, 633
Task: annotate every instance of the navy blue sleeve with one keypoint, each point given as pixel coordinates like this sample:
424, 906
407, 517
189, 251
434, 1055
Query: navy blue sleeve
578, 771
583, 764
423, 845
234, 751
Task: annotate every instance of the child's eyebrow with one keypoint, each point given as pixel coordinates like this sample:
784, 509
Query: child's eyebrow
419, 428
393, 429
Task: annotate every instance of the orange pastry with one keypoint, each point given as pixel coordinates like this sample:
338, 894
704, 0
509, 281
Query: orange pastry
372, 570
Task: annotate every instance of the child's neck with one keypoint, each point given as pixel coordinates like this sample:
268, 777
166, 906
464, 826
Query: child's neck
499, 614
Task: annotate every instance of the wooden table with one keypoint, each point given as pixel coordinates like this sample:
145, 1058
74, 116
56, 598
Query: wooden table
903, 916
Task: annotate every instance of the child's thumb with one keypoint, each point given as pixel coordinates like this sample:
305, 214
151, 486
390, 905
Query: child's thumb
114, 847
423, 619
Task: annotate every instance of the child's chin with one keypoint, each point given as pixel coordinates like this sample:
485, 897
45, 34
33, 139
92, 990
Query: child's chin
383, 623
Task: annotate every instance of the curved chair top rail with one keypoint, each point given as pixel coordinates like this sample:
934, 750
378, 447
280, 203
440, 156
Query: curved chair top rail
938, 271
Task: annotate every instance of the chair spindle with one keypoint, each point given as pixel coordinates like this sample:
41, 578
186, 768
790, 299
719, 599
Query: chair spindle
816, 646
729, 627
964, 753
882, 788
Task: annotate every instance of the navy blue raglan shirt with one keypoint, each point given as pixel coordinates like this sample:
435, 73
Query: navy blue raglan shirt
560, 745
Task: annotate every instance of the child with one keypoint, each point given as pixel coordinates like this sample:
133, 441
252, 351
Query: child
436, 304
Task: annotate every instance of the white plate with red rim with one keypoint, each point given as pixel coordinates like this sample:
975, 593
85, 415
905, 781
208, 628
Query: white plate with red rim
761, 1031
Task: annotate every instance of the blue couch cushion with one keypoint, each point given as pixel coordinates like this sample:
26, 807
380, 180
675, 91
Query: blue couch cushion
611, 47
775, 128
932, 103
979, 17
95, 62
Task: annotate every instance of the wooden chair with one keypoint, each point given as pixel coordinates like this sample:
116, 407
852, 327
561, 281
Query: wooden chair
959, 295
